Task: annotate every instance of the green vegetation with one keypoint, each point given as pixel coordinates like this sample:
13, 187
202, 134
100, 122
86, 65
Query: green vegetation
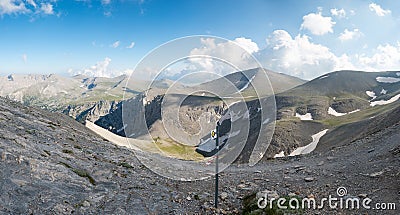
84, 174
30, 131
358, 116
126, 165
177, 150
67, 151
80, 172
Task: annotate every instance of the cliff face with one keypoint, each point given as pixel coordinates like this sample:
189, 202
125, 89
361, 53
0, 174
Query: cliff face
90, 111
196, 116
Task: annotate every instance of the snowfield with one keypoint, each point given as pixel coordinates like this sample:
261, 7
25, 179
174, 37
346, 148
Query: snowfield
371, 94
385, 102
333, 112
324, 77
131, 143
306, 116
280, 155
387, 79
310, 147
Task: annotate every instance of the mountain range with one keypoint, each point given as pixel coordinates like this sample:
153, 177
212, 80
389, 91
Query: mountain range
340, 129
303, 108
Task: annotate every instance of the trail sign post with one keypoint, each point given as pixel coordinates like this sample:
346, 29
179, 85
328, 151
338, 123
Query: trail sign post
215, 135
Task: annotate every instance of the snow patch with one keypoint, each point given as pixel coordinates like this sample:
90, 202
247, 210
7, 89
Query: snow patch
306, 116
353, 111
387, 79
371, 94
247, 84
333, 112
383, 91
385, 102
117, 140
280, 155
310, 147
324, 77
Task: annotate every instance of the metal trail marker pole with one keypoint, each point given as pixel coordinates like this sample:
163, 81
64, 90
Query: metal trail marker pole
216, 165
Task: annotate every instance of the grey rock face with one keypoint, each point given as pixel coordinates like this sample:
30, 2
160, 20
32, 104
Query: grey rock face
90, 111
51, 164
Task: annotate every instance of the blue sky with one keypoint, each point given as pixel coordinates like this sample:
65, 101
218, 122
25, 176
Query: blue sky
301, 38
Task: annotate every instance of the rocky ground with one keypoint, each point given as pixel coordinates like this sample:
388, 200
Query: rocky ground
50, 164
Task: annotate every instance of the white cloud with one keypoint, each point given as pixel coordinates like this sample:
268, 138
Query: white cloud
349, 35
32, 2
100, 69
107, 13
30, 8
247, 44
215, 56
299, 56
24, 58
339, 13
105, 1
12, 7
236, 53
131, 45
378, 9
46, 8
116, 44
384, 58
317, 24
